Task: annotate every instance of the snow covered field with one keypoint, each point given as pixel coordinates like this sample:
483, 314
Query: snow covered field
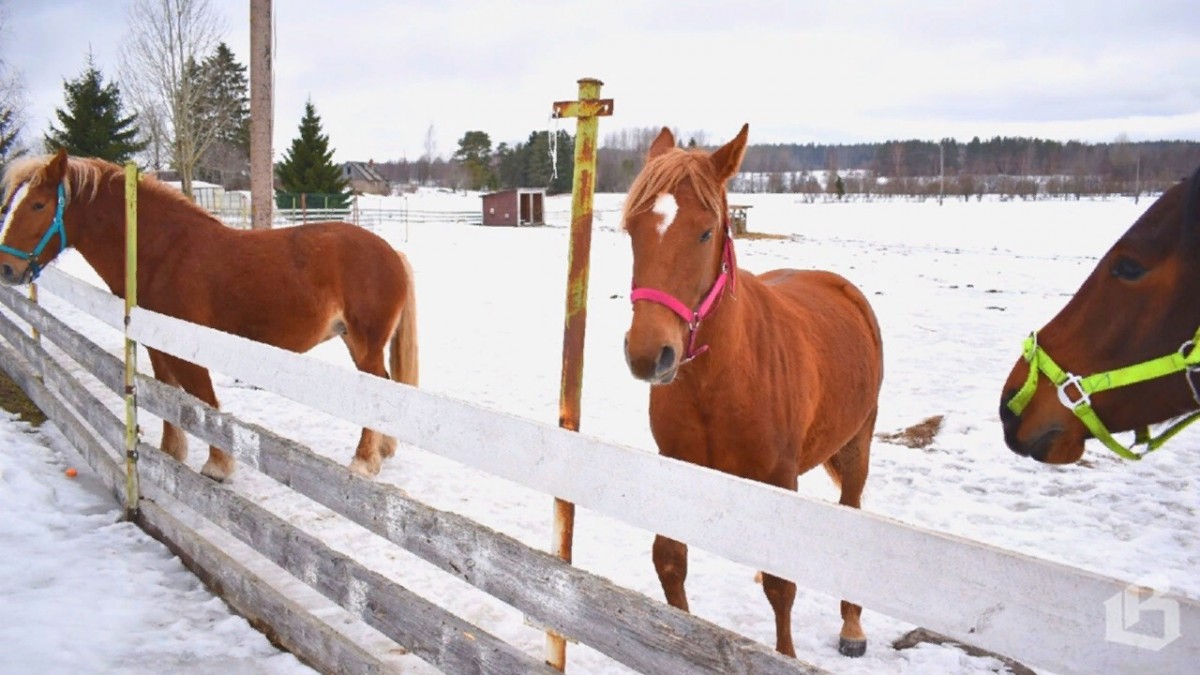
956, 288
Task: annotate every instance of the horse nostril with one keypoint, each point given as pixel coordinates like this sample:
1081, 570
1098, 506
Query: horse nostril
8, 272
666, 360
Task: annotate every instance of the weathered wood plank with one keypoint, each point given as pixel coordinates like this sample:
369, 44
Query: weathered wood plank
97, 302
428, 631
285, 622
1038, 611
288, 624
629, 627
25, 374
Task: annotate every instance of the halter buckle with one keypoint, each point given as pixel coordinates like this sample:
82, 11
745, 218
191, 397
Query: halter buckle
1065, 398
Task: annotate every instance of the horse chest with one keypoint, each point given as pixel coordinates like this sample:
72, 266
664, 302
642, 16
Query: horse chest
737, 439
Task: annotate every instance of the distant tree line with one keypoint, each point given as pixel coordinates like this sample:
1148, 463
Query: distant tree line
1017, 167
537, 162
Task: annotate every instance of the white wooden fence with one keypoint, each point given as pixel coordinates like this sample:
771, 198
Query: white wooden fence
1041, 613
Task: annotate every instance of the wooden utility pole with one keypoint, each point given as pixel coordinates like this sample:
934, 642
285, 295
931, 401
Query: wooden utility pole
262, 171
588, 109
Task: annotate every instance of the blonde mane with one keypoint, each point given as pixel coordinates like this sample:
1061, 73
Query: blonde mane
662, 173
84, 175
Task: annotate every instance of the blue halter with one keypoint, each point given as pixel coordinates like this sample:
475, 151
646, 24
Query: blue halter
56, 227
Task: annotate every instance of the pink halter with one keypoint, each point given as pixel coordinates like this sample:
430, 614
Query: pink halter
707, 305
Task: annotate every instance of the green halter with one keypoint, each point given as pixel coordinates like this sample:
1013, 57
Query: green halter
1185, 360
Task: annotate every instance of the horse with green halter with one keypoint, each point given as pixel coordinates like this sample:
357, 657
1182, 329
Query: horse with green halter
1150, 279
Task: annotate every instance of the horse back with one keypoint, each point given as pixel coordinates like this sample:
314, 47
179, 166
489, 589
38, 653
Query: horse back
831, 309
292, 287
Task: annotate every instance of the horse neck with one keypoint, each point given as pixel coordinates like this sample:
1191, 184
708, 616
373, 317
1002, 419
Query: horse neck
725, 331
96, 228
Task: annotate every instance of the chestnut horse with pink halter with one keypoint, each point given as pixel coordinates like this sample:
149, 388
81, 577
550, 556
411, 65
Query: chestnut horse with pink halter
761, 376
292, 287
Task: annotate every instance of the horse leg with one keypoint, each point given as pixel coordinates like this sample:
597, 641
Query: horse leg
373, 446
781, 593
849, 467
196, 381
174, 441
670, 561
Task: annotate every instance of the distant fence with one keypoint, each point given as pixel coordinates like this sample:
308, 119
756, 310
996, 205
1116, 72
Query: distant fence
1042, 613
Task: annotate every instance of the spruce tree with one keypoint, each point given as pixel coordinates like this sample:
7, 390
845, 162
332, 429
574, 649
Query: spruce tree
226, 107
9, 129
308, 168
92, 123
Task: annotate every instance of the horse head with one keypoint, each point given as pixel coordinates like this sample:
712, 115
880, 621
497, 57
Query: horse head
35, 196
1118, 356
683, 261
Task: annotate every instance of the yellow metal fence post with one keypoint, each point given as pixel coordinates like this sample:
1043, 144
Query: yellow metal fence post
33, 297
587, 109
132, 491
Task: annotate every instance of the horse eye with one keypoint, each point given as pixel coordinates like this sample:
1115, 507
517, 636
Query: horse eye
38, 206
706, 236
1128, 269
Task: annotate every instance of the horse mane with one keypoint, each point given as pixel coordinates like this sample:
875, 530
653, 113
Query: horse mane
84, 175
663, 172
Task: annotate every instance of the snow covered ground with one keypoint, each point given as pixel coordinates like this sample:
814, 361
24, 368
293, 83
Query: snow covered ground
956, 288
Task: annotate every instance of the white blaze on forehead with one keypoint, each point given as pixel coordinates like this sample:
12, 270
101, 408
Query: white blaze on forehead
12, 208
665, 207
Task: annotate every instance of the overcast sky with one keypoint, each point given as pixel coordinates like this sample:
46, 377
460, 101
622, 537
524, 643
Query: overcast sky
381, 72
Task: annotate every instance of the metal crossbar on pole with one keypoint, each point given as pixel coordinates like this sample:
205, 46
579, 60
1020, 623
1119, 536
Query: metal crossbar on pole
588, 109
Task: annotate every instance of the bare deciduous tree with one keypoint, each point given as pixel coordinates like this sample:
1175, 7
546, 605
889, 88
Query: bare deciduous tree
425, 165
160, 62
12, 100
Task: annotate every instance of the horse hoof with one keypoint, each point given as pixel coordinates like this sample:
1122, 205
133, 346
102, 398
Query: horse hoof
364, 468
852, 648
216, 472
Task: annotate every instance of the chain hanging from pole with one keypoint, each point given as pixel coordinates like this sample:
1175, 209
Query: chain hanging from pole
552, 143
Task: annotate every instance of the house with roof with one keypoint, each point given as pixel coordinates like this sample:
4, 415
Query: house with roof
364, 178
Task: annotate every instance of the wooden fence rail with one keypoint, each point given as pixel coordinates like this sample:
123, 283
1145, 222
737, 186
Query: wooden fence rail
1042, 613
641, 633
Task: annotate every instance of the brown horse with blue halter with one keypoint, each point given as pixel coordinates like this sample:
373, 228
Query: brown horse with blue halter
292, 287
761, 376
1124, 347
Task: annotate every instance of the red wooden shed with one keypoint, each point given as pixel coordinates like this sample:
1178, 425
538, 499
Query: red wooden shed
517, 206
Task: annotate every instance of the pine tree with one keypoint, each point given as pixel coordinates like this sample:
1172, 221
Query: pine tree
308, 168
9, 129
92, 124
475, 155
555, 174
226, 105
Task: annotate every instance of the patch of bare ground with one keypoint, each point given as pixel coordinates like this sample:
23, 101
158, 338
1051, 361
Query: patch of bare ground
919, 435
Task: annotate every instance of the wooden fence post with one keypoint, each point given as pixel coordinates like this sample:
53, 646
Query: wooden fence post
132, 491
587, 109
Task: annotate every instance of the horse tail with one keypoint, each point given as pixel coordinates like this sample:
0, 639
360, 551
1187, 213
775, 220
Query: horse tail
404, 362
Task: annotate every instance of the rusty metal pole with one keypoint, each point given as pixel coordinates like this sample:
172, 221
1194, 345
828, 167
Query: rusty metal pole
587, 109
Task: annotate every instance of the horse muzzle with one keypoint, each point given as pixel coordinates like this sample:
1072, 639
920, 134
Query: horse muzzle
658, 367
10, 276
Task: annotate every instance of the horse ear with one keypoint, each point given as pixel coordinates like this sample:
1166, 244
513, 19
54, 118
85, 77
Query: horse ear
1191, 209
664, 142
56, 168
728, 159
